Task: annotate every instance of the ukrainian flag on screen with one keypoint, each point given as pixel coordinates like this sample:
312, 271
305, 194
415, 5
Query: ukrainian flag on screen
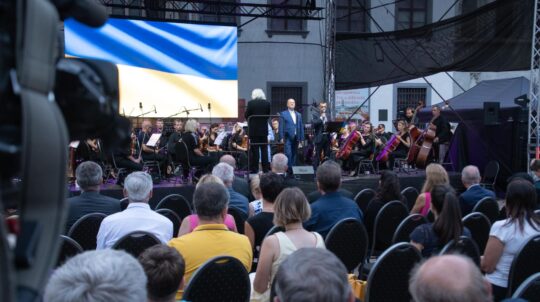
173, 66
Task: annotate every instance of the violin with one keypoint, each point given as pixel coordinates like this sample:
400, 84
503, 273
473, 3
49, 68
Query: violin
133, 146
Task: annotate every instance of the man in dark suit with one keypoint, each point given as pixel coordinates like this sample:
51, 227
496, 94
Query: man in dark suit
321, 139
332, 206
89, 178
470, 176
291, 131
258, 130
279, 166
442, 133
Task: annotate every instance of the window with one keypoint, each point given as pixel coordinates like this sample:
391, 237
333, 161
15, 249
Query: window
284, 24
351, 16
222, 6
411, 13
280, 95
409, 97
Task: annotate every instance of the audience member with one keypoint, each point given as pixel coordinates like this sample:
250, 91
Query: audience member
257, 226
164, 268
291, 209
389, 190
449, 278
98, 276
190, 222
89, 178
137, 217
211, 238
280, 165
225, 172
535, 171
312, 275
435, 175
431, 237
470, 177
255, 207
332, 206
313, 196
239, 185
507, 236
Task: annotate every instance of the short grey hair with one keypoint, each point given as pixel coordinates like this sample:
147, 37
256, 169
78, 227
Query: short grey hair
329, 176
228, 159
258, 94
470, 175
301, 274
138, 186
101, 275
190, 126
210, 199
224, 172
448, 278
280, 163
88, 174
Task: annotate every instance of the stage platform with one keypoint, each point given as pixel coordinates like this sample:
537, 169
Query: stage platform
353, 184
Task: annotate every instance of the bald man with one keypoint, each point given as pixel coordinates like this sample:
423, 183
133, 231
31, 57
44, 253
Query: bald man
449, 278
291, 131
470, 177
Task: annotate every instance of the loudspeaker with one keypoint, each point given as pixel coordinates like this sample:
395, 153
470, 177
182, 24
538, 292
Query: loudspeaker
491, 113
305, 173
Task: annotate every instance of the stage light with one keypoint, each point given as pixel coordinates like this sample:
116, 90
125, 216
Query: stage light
522, 101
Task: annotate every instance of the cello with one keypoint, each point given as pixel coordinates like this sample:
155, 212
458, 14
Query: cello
427, 144
345, 150
390, 147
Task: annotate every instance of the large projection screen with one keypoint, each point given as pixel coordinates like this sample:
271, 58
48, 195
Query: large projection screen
172, 66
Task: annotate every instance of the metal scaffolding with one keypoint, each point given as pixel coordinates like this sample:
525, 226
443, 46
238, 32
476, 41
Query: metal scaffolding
534, 90
330, 55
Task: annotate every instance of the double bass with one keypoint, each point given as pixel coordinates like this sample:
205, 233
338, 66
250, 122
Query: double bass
415, 134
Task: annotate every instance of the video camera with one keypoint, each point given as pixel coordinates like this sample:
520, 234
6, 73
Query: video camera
43, 98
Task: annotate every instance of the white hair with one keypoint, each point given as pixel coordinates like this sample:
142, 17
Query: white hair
280, 163
470, 175
190, 126
258, 94
101, 275
224, 172
138, 186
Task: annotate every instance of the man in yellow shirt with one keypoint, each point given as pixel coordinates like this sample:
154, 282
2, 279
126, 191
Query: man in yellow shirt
211, 238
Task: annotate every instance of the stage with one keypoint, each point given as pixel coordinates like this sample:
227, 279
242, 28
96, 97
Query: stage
354, 184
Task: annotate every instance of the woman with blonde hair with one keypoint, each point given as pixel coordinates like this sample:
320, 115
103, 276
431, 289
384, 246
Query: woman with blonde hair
435, 175
191, 140
291, 209
192, 221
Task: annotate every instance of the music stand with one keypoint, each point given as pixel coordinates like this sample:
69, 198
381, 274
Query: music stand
334, 127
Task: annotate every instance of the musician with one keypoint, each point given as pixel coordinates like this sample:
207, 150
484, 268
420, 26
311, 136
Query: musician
175, 137
409, 115
291, 131
363, 150
128, 158
190, 137
212, 136
151, 153
321, 139
442, 133
90, 150
380, 132
238, 142
402, 150
275, 132
258, 129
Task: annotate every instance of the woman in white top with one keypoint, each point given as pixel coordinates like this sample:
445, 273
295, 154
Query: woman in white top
507, 236
291, 209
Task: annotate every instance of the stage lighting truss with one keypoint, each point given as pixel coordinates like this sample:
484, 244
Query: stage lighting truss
534, 90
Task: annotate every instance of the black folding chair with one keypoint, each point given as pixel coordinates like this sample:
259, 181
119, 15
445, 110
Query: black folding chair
529, 290
407, 226
491, 171
222, 278
479, 226
136, 242
348, 240
525, 263
465, 246
173, 218
389, 277
410, 194
239, 218
386, 223
176, 203
68, 249
363, 198
489, 207
84, 231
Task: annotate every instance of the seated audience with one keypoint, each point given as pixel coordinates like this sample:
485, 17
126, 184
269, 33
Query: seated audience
239, 185
164, 268
332, 206
137, 217
257, 226
192, 221
435, 175
291, 209
449, 278
470, 177
89, 178
431, 237
280, 165
211, 238
255, 207
236, 200
389, 190
312, 275
535, 172
106, 275
507, 236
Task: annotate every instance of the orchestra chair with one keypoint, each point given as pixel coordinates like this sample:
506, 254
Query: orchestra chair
348, 240
489, 207
183, 162
68, 249
363, 198
525, 263
411, 194
239, 218
464, 246
135, 243
401, 165
491, 171
479, 225
117, 172
406, 227
529, 290
84, 231
173, 217
176, 203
